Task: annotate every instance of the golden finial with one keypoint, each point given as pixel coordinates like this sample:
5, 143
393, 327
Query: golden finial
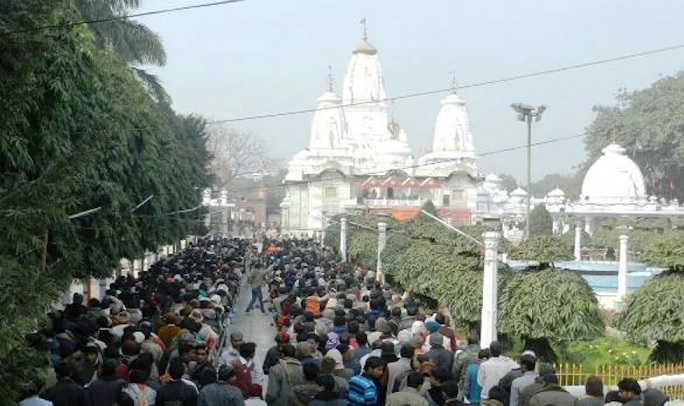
453, 82
365, 28
331, 81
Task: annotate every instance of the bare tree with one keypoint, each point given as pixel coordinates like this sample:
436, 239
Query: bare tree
236, 154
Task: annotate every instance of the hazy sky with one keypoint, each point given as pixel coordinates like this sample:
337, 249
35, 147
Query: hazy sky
269, 56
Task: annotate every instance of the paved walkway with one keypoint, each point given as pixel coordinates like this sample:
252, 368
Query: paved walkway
254, 326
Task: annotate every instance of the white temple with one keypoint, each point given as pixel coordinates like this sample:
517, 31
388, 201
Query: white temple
359, 159
613, 186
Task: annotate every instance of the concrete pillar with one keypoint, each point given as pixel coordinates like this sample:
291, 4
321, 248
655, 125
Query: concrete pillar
489, 289
578, 243
343, 238
622, 268
325, 226
589, 225
382, 237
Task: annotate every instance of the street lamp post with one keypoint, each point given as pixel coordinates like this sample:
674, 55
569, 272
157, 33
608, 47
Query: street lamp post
526, 113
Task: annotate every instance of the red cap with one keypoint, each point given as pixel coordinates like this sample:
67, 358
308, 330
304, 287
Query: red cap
283, 337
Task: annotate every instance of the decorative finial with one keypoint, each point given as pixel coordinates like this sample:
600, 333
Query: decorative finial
453, 81
331, 81
365, 28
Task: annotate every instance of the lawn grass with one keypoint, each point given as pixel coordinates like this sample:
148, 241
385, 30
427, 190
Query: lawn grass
606, 350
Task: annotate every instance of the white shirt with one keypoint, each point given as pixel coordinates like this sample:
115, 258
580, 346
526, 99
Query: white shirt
35, 401
491, 371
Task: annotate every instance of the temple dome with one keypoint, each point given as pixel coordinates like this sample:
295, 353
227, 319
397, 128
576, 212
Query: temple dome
614, 177
364, 81
519, 192
557, 192
452, 128
492, 178
452, 140
364, 47
329, 126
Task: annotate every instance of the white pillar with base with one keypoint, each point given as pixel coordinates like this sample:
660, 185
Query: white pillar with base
578, 243
489, 289
343, 238
622, 268
382, 236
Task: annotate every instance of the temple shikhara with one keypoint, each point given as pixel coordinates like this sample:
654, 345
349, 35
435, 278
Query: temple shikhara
359, 159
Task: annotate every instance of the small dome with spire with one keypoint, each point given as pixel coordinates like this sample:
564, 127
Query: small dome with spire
557, 192
363, 46
519, 192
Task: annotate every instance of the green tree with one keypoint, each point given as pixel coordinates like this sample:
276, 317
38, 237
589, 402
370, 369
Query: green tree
429, 207
84, 134
363, 248
570, 184
647, 123
543, 249
547, 307
541, 222
508, 182
654, 311
135, 43
568, 239
434, 262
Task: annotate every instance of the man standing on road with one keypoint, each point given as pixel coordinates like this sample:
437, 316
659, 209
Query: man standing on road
256, 279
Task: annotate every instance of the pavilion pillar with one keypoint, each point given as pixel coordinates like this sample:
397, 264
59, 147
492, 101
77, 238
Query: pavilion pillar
489, 289
382, 237
557, 225
343, 238
589, 224
578, 243
622, 268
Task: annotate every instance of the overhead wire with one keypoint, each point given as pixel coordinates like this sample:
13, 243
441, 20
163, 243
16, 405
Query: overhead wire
122, 17
466, 86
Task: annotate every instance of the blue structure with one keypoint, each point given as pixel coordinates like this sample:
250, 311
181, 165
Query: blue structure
602, 275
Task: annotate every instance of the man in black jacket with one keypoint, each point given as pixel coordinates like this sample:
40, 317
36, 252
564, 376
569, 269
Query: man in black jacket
177, 392
66, 392
103, 390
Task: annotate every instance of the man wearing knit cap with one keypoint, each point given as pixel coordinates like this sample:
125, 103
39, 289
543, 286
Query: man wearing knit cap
442, 357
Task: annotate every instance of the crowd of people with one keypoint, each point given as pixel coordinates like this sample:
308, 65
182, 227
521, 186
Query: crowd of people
340, 338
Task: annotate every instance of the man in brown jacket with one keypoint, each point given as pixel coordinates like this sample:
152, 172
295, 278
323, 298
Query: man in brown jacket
409, 396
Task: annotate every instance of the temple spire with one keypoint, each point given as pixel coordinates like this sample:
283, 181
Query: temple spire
365, 28
331, 81
453, 82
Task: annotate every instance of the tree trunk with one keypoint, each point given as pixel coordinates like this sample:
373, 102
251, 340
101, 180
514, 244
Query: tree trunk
667, 352
542, 348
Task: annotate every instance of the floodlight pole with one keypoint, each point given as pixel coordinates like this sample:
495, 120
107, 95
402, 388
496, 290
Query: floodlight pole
526, 113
